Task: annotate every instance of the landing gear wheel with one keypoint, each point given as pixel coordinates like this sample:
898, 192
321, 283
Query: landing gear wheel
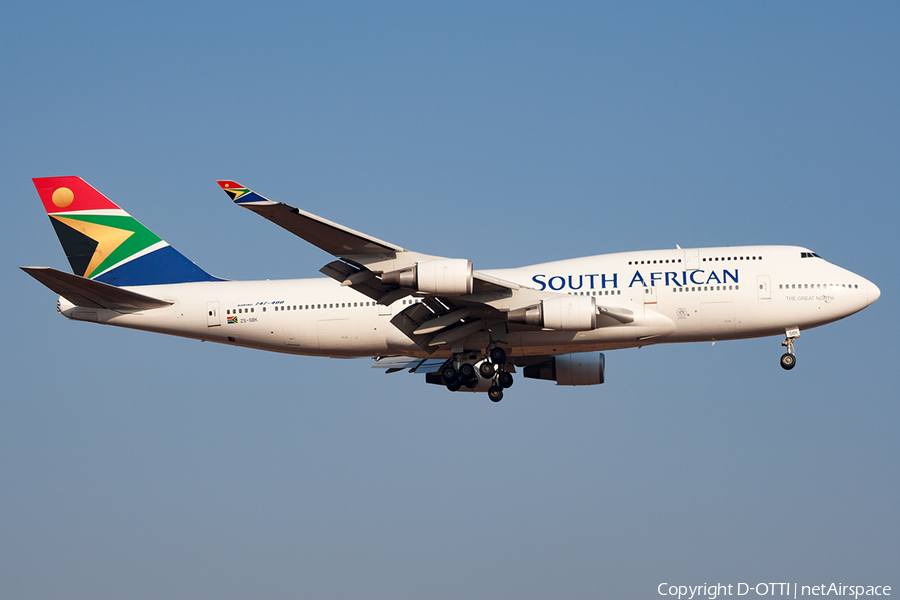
454, 387
788, 361
486, 369
466, 371
505, 379
449, 373
472, 382
497, 356
495, 393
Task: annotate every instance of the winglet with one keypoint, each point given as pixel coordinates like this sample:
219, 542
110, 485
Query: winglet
241, 194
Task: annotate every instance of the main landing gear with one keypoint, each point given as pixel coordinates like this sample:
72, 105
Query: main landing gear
788, 360
491, 369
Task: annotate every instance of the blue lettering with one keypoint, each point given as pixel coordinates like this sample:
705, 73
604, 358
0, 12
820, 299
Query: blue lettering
637, 277
614, 280
713, 276
592, 280
672, 277
694, 281
580, 282
539, 282
726, 275
562, 282
654, 277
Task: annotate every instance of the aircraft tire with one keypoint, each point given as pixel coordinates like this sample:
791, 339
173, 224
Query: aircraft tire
466, 370
487, 369
454, 387
788, 361
498, 356
449, 374
495, 393
505, 379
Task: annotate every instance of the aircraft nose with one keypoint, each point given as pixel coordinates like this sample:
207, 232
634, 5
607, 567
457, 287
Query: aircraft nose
872, 292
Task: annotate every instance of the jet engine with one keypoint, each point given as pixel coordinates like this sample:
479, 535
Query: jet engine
563, 313
441, 277
584, 368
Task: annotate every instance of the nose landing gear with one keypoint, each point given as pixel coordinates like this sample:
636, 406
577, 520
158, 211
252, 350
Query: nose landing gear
788, 360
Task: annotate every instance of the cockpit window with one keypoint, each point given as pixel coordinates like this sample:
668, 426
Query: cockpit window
809, 255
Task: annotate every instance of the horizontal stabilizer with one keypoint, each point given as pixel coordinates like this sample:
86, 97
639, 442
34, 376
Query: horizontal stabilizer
92, 294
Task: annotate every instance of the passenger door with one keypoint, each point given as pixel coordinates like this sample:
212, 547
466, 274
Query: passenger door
763, 287
212, 314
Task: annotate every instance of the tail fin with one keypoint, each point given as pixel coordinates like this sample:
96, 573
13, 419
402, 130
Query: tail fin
105, 243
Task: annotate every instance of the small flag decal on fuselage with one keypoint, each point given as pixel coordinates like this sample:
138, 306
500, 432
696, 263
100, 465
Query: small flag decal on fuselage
232, 319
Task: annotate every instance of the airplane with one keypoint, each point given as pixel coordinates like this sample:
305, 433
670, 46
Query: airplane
464, 329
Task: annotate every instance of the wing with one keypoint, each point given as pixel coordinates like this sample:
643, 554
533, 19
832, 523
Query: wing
363, 258
457, 301
395, 364
330, 237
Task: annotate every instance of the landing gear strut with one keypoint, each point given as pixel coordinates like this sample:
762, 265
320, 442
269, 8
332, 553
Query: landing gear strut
788, 360
497, 369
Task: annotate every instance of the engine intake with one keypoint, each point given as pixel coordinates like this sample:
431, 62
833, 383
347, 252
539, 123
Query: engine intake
584, 368
564, 313
440, 277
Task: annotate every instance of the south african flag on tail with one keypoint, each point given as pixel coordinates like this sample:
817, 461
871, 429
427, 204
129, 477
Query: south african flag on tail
105, 243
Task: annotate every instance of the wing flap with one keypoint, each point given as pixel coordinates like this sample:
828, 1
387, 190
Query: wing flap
363, 281
81, 291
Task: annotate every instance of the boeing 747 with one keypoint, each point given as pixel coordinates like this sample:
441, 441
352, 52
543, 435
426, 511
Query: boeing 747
464, 329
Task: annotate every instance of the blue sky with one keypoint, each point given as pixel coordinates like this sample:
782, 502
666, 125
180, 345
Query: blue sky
141, 466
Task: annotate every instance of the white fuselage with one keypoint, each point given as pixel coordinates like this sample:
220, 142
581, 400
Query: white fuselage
676, 296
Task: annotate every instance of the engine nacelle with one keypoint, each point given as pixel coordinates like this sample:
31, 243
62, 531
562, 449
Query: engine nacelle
441, 277
584, 368
563, 313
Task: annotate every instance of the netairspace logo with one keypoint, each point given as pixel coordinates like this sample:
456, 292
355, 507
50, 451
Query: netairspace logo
771, 589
